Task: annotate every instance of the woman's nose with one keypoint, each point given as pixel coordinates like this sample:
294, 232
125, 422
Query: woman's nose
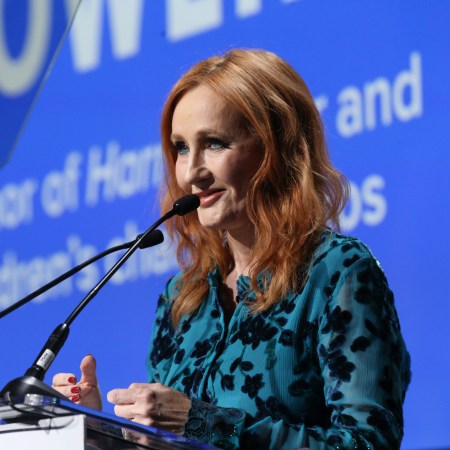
196, 169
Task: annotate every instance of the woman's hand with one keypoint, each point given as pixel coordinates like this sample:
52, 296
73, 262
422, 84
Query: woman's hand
84, 392
153, 405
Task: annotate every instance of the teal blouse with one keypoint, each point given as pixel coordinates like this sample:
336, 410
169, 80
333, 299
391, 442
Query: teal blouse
324, 368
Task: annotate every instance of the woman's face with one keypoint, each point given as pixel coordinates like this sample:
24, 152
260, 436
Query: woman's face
216, 157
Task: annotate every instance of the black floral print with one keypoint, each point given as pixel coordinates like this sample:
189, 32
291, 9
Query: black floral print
294, 375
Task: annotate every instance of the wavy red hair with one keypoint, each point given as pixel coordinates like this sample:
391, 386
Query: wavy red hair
295, 194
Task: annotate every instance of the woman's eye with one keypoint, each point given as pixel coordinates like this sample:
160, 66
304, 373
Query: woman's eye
216, 144
181, 148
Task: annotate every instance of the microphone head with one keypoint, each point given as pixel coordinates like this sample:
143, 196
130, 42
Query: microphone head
153, 238
186, 204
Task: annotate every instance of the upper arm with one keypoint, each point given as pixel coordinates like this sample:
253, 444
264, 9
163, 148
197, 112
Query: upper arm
362, 354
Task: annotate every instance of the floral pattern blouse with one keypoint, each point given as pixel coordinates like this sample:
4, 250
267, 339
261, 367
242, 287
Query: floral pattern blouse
324, 368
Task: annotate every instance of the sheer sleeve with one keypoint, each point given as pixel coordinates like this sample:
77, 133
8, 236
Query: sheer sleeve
365, 370
162, 343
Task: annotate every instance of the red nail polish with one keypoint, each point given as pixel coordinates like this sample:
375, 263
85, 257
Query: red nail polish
72, 380
75, 390
75, 398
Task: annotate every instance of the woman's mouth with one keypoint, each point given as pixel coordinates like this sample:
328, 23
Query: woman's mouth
207, 198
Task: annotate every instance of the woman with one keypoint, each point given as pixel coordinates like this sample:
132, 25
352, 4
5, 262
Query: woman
278, 331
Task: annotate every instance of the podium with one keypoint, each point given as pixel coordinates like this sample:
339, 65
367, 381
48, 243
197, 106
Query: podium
38, 422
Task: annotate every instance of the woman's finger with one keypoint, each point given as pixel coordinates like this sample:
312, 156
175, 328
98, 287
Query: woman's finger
88, 369
71, 392
64, 379
123, 396
126, 411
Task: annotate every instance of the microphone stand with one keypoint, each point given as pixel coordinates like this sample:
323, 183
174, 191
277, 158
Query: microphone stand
32, 381
154, 238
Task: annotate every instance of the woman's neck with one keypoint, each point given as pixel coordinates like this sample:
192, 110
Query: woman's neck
240, 245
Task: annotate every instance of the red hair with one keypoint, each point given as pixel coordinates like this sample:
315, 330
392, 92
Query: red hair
295, 194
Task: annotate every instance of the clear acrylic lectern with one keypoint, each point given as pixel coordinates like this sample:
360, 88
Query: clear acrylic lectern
40, 422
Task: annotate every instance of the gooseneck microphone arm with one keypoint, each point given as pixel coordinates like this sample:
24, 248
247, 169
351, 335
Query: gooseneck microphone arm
154, 238
32, 381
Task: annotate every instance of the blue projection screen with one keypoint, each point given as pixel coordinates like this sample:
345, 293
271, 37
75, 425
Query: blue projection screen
86, 172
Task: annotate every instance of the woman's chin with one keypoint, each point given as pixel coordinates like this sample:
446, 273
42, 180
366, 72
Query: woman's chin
212, 224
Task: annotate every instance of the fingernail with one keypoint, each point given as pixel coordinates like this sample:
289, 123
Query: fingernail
75, 398
72, 380
75, 390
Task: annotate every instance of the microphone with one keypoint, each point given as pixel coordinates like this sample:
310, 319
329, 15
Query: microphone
151, 239
185, 205
32, 381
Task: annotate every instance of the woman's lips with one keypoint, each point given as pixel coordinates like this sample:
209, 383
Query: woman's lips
207, 198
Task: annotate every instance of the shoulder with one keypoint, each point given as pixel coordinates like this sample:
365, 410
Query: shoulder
166, 298
345, 262
172, 286
337, 250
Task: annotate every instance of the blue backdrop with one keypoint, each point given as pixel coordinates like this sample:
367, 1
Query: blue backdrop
85, 173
